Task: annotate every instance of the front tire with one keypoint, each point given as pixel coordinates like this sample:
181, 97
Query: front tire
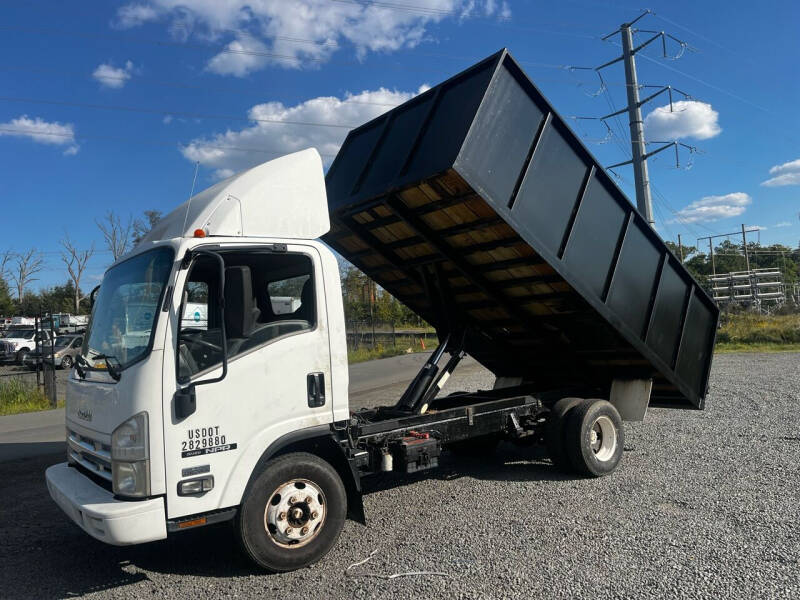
22, 356
595, 438
66, 362
293, 513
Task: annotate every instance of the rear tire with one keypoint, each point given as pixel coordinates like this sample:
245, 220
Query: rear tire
555, 431
595, 438
293, 513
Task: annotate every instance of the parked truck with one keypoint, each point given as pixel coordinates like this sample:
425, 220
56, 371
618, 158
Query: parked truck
476, 206
21, 341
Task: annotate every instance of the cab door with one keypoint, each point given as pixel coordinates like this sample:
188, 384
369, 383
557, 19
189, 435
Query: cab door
278, 366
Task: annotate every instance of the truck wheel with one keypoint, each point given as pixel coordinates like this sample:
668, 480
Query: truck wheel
293, 513
555, 428
595, 437
22, 356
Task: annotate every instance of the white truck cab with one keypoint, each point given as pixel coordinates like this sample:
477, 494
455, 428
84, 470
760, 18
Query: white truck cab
165, 419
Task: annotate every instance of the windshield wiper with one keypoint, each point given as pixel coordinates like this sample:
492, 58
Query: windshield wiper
112, 370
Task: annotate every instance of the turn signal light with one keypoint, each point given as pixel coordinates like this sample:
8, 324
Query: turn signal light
192, 523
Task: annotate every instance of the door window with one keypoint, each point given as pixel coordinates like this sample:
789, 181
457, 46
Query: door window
267, 297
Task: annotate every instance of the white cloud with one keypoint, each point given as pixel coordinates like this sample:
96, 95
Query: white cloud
688, 119
133, 15
113, 77
783, 224
303, 31
714, 208
241, 57
42, 132
289, 134
167, 119
785, 174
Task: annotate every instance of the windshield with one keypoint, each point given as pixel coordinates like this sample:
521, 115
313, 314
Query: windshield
63, 340
20, 333
126, 308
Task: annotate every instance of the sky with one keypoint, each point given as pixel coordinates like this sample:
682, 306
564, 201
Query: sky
111, 105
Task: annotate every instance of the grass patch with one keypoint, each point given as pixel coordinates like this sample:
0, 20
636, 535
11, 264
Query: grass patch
403, 346
17, 396
732, 348
758, 333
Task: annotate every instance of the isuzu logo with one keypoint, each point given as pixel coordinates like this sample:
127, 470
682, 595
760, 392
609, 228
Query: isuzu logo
85, 414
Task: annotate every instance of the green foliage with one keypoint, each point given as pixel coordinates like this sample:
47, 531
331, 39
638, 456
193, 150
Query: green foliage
59, 298
404, 346
18, 396
738, 330
364, 300
6, 303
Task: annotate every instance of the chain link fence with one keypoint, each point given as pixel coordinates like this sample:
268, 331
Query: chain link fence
372, 334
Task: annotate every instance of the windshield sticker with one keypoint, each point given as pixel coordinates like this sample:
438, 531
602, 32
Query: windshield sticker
205, 440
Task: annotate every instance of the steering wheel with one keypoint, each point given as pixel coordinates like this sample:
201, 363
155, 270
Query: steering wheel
202, 342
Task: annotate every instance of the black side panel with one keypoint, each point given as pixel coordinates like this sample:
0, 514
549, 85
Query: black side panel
448, 126
550, 188
594, 238
496, 154
663, 336
634, 278
696, 344
343, 175
398, 140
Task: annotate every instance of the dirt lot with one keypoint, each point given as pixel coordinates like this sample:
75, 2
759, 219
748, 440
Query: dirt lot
704, 505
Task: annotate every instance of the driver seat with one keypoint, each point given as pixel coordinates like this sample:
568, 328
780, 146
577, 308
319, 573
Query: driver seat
241, 308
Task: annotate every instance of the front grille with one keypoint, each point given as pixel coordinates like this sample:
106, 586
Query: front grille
92, 455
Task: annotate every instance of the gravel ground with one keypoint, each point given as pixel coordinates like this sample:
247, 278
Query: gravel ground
704, 505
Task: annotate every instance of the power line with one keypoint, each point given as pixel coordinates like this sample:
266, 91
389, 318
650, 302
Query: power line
237, 91
142, 141
171, 113
225, 49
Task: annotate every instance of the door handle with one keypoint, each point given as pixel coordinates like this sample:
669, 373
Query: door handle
315, 383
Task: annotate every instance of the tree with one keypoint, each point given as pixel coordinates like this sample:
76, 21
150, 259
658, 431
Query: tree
6, 303
76, 261
28, 265
116, 233
5, 263
141, 227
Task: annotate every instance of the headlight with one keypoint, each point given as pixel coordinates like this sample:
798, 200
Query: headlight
130, 467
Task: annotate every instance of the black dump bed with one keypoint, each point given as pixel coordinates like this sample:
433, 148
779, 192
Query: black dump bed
475, 205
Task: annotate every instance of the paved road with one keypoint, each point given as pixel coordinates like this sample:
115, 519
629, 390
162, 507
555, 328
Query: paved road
704, 505
371, 383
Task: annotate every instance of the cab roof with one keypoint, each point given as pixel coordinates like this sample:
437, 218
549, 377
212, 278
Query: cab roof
282, 198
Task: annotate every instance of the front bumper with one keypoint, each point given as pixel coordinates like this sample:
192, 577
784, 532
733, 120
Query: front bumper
98, 513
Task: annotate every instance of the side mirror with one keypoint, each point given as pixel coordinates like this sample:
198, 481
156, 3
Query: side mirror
185, 399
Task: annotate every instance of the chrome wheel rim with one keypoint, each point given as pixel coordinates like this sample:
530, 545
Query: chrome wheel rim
295, 513
603, 438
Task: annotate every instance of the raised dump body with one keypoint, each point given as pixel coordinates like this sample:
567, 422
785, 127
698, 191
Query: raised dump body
476, 205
